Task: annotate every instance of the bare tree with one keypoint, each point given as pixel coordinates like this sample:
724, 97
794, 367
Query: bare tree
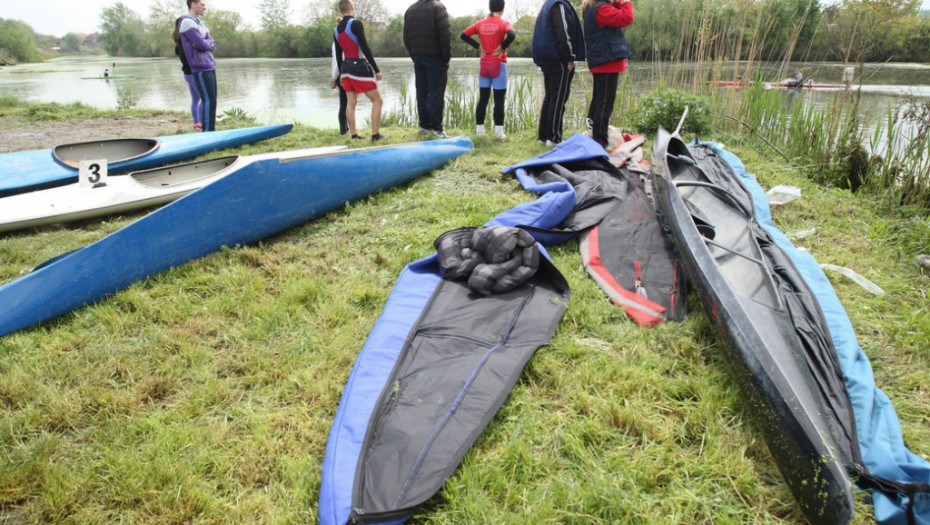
371, 10
275, 14
314, 10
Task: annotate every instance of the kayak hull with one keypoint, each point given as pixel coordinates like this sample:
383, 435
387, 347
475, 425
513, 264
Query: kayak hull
742, 291
261, 198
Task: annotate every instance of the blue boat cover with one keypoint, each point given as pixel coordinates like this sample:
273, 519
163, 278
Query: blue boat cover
405, 309
880, 440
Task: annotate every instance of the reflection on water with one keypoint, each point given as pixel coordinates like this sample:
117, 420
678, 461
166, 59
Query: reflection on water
297, 90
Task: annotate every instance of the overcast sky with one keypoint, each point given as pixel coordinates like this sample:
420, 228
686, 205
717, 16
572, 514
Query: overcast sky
59, 17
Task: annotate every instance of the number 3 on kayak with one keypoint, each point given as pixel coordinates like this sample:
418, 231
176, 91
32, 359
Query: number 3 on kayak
92, 173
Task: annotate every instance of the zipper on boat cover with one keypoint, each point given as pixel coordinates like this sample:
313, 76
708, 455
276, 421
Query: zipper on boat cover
357, 515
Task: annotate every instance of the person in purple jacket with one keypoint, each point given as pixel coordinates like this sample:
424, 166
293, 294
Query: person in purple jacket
198, 48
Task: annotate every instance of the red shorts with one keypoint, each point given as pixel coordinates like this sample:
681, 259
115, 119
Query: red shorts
356, 85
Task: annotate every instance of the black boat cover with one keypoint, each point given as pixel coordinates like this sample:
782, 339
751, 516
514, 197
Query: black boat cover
623, 245
438, 364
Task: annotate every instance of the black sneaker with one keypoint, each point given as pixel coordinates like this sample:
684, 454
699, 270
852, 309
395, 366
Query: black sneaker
377, 136
357, 137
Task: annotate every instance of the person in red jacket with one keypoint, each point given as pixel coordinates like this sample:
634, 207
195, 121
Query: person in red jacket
607, 50
496, 35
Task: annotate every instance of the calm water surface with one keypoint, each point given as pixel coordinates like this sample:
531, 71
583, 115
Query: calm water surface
297, 90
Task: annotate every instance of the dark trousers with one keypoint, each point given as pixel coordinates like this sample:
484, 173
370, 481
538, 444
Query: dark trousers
484, 96
558, 82
343, 102
432, 75
602, 104
206, 86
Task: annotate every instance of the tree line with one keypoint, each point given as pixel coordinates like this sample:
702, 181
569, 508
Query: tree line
682, 30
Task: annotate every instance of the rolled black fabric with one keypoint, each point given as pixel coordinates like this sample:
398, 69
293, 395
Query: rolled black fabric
493, 259
456, 258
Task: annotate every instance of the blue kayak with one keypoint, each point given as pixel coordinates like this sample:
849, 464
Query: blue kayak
24, 171
260, 196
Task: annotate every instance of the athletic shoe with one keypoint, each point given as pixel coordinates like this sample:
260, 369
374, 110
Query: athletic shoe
499, 132
440, 134
424, 132
479, 130
377, 136
550, 144
198, 126
357, 137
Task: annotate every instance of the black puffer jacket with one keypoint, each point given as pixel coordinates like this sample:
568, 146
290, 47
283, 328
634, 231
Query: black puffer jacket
427, 31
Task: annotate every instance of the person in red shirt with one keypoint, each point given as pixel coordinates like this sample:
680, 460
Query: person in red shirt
607, 51
496, 35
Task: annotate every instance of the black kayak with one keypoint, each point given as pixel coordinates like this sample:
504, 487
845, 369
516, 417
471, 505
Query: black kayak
781, 348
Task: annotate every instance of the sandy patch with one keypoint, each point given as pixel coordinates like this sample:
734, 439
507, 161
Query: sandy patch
39, 135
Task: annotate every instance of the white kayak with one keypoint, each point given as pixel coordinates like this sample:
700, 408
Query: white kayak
136, 190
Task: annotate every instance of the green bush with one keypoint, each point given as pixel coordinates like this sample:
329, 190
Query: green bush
664, 108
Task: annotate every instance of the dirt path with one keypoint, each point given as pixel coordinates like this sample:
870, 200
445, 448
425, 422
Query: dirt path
38, 135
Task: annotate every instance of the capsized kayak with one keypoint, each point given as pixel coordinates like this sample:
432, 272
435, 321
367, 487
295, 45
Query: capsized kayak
138, 189
781, 348
261, 197
24, 171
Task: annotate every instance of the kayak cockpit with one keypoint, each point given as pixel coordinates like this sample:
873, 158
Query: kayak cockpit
182, 173
114, 151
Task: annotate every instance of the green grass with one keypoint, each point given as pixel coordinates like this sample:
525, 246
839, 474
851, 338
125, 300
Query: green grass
205, 394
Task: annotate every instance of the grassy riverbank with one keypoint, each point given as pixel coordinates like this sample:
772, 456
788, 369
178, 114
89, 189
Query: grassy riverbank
205, 394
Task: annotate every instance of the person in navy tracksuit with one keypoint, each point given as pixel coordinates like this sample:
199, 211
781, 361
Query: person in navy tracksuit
198, 47
558, 42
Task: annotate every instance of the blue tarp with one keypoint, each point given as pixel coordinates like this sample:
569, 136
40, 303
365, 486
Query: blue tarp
877, 426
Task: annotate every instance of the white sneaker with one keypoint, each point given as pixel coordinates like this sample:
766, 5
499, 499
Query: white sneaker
550, 144
440, 134
479, 130
499, 132
424, 132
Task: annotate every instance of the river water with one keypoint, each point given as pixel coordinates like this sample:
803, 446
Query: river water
297, 90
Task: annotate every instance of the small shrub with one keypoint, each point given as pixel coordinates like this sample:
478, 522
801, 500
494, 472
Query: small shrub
126, 98
664, 108
238, 115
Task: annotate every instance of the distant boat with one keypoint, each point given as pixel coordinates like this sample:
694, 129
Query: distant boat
23, 171
136, 190
810, 84
110, 77
263, 196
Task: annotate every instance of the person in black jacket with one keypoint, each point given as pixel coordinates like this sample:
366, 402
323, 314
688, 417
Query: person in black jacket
428, 39
558, 42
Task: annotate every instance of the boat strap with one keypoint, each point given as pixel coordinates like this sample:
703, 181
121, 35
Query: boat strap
867, 480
